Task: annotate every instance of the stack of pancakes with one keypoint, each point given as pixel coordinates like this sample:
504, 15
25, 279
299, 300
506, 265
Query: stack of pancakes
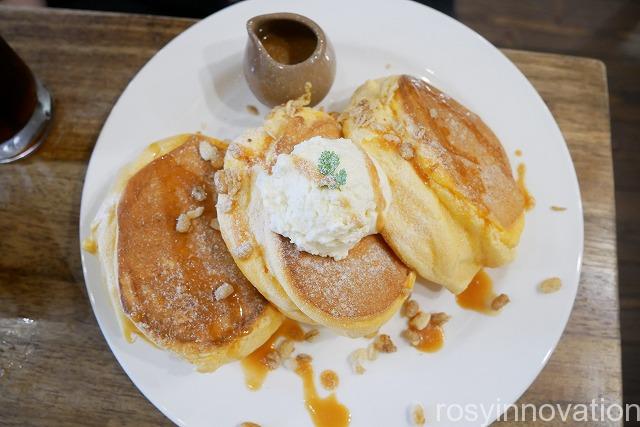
454, 208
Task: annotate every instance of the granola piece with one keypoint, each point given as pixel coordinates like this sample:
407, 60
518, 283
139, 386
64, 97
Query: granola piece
272, 360
285, 349
183, 223
195, 212
439, 319
208, 152
223, 291
550, 285
384, 344
417, 415
499, 302
329, 379
235, 150
356, 358
411, 336
420, 321
406, 151
234, 182
220, 182
249, 424
198, 193
410, 308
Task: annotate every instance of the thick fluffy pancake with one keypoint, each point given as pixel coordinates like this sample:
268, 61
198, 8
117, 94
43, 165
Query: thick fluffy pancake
455, 206
166, 279
354, 296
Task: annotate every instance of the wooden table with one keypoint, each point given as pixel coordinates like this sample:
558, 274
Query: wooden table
55, 367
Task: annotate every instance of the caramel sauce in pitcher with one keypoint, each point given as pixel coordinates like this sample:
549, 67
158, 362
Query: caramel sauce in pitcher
287, 42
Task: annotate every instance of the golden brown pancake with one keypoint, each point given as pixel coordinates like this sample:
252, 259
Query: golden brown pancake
167, 279
354, 296
455, 206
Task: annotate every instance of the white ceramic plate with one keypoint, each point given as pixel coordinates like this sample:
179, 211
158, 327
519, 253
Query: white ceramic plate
195, 83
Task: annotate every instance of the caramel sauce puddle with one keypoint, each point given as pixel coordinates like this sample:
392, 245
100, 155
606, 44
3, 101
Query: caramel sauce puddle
255, 370
478, 295
324, 411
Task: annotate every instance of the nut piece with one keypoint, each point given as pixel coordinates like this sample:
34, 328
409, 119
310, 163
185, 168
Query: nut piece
285, 349
220, 182
383, 344
406, 151
249, 424
420, 321
499, 302
195, 212
183, 223
356, 358
214, 224
410, 308
329, 379
311, 335
439, 319
303, 358
550, 285
207, 151
235, 150
272, 360
411, 336
417, 415
198, 193
223, 291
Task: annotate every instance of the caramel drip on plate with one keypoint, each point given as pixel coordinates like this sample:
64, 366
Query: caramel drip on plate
431, 339
529, 200
131, 331
324, 412
254, 367
478, 295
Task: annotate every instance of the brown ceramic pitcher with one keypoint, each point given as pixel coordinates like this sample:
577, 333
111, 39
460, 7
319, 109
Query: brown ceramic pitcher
284, 51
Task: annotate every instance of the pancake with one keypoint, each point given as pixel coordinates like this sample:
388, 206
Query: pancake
353, 296
170, 284
455, 206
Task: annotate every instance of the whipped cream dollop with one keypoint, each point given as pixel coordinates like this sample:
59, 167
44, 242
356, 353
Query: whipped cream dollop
322, 196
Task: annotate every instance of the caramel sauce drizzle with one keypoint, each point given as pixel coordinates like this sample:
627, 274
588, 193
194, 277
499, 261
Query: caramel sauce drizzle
130, 331
478, 295
529, 200
324, 412
255, 370
431, 339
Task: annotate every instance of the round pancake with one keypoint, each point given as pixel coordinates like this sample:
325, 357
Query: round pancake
354, 296
455, 206
166, 279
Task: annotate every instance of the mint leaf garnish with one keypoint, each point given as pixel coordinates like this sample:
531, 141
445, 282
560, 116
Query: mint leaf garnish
327, 165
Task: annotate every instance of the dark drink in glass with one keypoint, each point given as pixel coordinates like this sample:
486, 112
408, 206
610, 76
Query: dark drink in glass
25, 107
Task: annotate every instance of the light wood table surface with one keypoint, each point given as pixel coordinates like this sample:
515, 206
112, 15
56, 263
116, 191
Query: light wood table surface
55, 366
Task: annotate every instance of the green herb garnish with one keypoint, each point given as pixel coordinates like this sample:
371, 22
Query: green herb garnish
327, 165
